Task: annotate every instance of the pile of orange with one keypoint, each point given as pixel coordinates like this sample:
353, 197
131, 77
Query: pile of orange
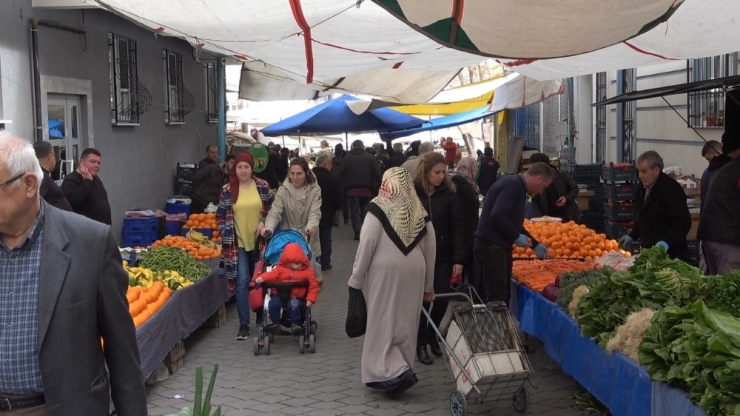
144, 302
191, 247
567, 240
201, 221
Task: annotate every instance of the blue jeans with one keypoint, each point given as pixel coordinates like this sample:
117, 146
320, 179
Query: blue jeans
244, 272
325, 237
294, 309
357, 205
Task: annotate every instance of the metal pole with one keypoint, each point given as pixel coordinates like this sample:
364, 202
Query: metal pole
221, 75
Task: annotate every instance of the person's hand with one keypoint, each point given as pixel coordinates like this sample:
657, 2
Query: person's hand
309, 303
260, 227
266, 232
662, 244
522, 241
560, 202
82, 170
428, 297
259, 280
541, 251
457, 270
625, 241
310, 231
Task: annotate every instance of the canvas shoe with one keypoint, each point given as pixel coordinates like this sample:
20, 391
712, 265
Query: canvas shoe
243, 333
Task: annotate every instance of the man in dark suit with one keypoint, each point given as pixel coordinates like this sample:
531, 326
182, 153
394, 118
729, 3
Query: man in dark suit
331, 201
49, 190
67, 297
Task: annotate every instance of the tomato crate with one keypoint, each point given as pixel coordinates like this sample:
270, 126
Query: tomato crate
612, 172
616, 229
586, 171
140, 224
619, 211
619, 191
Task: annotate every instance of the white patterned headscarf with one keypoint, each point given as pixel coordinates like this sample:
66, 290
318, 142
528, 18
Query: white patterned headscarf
401, 208
467, 167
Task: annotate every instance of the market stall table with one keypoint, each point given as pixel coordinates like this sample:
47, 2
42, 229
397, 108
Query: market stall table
619, 383
185, 311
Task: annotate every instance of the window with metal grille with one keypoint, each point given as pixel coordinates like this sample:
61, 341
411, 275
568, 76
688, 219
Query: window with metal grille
211, 78
128, 97
174, 111
707, 108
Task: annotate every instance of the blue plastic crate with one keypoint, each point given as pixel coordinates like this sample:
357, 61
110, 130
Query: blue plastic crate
177, 208
586, 171
140, 224
139, 239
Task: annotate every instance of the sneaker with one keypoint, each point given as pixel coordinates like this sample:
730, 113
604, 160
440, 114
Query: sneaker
295, 329
243, 333
325, 267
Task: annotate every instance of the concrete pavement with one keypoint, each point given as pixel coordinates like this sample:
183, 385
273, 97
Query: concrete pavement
328, 382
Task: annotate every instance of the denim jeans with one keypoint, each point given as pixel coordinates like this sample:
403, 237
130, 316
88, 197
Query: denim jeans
294, 309
357, 205
325, 238
244, 272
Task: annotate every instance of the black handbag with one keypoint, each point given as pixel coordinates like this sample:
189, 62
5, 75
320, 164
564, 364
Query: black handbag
356, 314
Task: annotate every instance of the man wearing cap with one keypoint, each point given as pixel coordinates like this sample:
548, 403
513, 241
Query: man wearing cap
719, 225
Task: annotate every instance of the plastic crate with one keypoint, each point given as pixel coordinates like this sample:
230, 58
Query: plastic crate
619, 212
619, 191
140, 224
177, 208
591, 183
616, 229
205, 231
586, 171
138, 239
612, 173
184, 187
693, 254
161, 226
186, 170
173, 227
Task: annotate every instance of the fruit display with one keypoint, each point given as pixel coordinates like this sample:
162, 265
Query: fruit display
141, 276
567, 240
144, 302
197, 245
202, 221
162, 259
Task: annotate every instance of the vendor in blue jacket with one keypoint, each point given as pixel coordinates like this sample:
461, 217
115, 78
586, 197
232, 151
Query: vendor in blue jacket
501, 225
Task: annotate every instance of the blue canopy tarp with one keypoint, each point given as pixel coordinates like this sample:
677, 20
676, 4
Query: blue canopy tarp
335, 117
443, 122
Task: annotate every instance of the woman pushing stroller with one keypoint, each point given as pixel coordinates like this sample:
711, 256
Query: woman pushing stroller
293, 266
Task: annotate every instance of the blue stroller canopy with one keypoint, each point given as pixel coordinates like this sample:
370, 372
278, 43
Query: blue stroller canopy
277, 243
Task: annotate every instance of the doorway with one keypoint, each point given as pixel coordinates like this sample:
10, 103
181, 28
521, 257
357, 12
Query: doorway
63, 132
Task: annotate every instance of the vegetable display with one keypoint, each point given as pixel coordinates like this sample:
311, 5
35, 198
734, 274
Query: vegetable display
570, 281
171, 258
537, 274
141, 276
200, 250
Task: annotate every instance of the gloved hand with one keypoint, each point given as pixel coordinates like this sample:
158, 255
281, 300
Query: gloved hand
662, 244
522, 241
625, 241
540, 250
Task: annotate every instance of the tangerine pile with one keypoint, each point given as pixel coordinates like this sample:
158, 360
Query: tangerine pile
205, 221
144, 302
568, 240
191, 247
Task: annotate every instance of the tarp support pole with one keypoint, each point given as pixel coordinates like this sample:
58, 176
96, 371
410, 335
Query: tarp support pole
221, 74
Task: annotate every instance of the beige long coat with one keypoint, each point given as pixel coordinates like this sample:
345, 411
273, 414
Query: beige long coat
297, 209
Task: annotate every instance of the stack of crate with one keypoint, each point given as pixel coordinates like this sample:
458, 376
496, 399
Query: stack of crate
619, 193
185, 179
590, 175
140, 231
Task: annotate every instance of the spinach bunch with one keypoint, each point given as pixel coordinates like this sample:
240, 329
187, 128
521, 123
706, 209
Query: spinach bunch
723, 292
572, 280
698, 349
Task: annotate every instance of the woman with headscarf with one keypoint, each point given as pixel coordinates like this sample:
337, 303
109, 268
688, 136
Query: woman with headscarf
297, 207
394, 267
467, 192
242, 211
437, 194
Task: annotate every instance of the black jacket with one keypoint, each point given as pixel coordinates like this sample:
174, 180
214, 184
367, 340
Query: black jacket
269, 174
207, 187
469, 204
52, 193
565, 186
395, 161
359, 170
331, 196
663, 217
88, 198
706, 178
487, 173
720, 221
443, 206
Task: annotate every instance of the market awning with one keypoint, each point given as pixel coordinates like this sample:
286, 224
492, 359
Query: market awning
442, 122
522, 92
725, 82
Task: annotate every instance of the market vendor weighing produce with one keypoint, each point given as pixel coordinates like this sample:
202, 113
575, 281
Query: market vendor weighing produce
501, 225
663, 217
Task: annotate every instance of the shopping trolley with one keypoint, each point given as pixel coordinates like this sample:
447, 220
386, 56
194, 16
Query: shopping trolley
484, 354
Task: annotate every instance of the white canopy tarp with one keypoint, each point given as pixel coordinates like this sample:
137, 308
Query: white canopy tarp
523, 91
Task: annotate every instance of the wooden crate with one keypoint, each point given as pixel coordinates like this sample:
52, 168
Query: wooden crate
218, 319
175, 359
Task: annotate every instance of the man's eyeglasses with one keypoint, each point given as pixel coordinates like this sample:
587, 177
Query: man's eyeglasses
11, 180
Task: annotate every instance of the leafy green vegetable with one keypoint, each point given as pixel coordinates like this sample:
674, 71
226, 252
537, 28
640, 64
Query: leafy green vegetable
723, 292
572, 280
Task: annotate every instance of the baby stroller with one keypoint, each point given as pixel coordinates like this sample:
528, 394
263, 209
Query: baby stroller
270, 256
